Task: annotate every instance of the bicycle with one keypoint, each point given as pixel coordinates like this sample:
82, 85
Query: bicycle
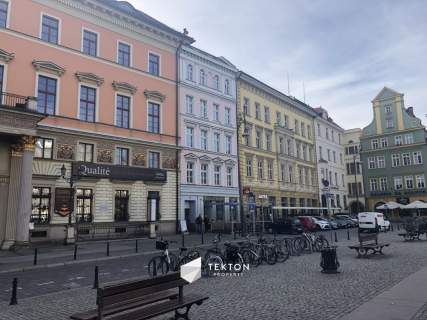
215, 256
311, 242
168, 261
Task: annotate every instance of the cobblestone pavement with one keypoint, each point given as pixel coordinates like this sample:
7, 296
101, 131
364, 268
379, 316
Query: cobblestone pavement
295, 289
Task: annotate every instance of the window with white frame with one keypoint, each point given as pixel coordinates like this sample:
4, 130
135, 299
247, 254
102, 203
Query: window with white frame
227, 116
216, 82
43, 148
249, 167
204, 173
286, 121
409, 182
380, 162
387, 109
267, 114
371, 163
290, 174
204, 139
334, 156
216, 112
227, 87
389, 123
289, 144
327, 133
3, 13
123, 54
319, 130
281, 145
258, 142
406, 159
409, 138
333, 135
153, 117
50, 29
229, 176
189, 104
309, 131
270, 169
204, 109
217, 175
190, 72
189, 137
90, 43
329, 154
301, 176
190, 172
202, 77
395, 160
398, 183
418, 157
341, 159
320, 152
278, 118
420, 181
46, 95
383, 183
342, 180
122, 111
373, 184
257, 111
153, 159
228, 144
383, 142
268, 141
374, 143
282, 172
87, 104
303, 129
304, 153
260, 169
85, 152
122, 156
154, 64
217, 142
398, 140
246, 108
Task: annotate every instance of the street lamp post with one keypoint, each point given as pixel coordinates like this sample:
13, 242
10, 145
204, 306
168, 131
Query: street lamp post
241, 120
70, 238
355, 184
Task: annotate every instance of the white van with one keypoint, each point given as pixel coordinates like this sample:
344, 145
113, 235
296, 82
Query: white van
372, 220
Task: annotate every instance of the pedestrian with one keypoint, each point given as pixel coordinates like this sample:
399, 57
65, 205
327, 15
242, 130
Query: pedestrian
199, 224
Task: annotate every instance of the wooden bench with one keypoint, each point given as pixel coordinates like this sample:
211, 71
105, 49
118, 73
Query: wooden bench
368, 242
142, 299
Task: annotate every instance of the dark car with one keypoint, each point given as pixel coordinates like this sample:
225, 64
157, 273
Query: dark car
344, 222
308, 223
288, 226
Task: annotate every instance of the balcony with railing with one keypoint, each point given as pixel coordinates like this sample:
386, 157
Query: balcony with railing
21, 103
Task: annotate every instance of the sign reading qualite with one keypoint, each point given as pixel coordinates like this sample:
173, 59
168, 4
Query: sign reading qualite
95, 170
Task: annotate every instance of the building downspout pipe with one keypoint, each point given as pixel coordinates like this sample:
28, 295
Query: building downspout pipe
177, 152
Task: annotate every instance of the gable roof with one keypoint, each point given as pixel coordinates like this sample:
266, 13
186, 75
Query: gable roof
386, 93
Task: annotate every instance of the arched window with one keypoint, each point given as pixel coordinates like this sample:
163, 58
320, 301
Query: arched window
190, 72
216, 82
202, 76
227, 86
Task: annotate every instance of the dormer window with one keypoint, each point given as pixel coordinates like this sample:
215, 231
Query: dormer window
387, 109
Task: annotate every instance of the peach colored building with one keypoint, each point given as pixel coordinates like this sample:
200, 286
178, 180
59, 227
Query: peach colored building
90, 87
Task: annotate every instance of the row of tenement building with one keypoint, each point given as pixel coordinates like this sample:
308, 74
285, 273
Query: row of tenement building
112, 115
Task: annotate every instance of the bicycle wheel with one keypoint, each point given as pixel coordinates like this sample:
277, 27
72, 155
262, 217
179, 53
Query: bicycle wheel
157, 266
193, 254
250, 257
282, 255
174, 262
210, 264
298, 245
270, 255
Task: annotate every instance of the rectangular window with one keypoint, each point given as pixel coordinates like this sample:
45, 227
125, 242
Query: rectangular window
122, 156
309, 131
153, 117
417, 157
303, 129
398, 184
389, 123
395, 160
320, 152
204, 139
249, 167
383, 142
267, 114
291, 174
216, 112
329, 155
229, 176
327, 133
84, 202
217, 142
3, 14
270, 170
204, 173
123, 54
268, 141
420, 181
286, 121
260, 169
217, 175
387, 109
296, 127
228, 144
278, 118
258, 142
50, 29
40, 206
334, 156
122, 111
374, 143
189, 104
371, 163
204, 109
281, 145
189, 137
246, 106
282, 172
383, 184
154, 160
85, 152
46, 95
409, 182
90, 43
227, 116
190, 173
44, 148
398, 140
380, 162
406, 159
409, 138
257, 111
154, 64
373, 184
1, 79
87, 103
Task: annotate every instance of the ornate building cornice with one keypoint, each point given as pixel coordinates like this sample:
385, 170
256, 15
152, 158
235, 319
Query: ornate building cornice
124, 86
89, 77
6, 56
154, 95
48, 66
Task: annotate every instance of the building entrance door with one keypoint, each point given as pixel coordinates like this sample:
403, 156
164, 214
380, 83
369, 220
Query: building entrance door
121, 206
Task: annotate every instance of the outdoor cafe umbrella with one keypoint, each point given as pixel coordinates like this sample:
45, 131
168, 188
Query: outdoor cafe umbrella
417, 205
391, 205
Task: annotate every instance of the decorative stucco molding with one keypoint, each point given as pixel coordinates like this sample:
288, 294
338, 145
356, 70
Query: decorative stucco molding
205, 158
124, 86
6, 56
89, 77
48, 66
154, 95
190, 156
218, 160
230, 162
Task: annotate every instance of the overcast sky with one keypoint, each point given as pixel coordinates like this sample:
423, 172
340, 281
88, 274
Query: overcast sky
344, 51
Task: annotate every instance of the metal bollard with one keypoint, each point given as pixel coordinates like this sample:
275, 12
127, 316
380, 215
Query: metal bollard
154, 268
35, 256
136, 245
392, 228
182, 239
96, 279
108, 248
336, 237
234, 235
219, 236
14, 299
203, 236
348, 235
75, 252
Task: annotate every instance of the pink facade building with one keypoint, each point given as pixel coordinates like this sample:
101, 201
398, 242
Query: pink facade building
90, 87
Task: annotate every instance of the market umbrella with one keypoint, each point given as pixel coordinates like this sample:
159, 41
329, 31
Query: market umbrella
391, 205
416, 205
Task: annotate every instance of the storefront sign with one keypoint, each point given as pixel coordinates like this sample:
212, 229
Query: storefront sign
94, 170
63, 201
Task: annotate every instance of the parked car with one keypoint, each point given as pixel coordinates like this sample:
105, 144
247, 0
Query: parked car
345, 221
307, 222
321, 224
353, 218
288, 226
332, 222
373, 221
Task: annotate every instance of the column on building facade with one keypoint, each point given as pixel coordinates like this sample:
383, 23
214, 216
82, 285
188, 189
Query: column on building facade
13, 196
25, 192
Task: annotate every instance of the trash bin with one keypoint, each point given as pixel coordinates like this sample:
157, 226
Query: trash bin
329, 260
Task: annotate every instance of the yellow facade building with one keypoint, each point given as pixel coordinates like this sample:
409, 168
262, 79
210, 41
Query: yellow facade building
276, 147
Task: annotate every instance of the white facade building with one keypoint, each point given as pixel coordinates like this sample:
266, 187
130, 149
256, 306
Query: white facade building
331, 165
